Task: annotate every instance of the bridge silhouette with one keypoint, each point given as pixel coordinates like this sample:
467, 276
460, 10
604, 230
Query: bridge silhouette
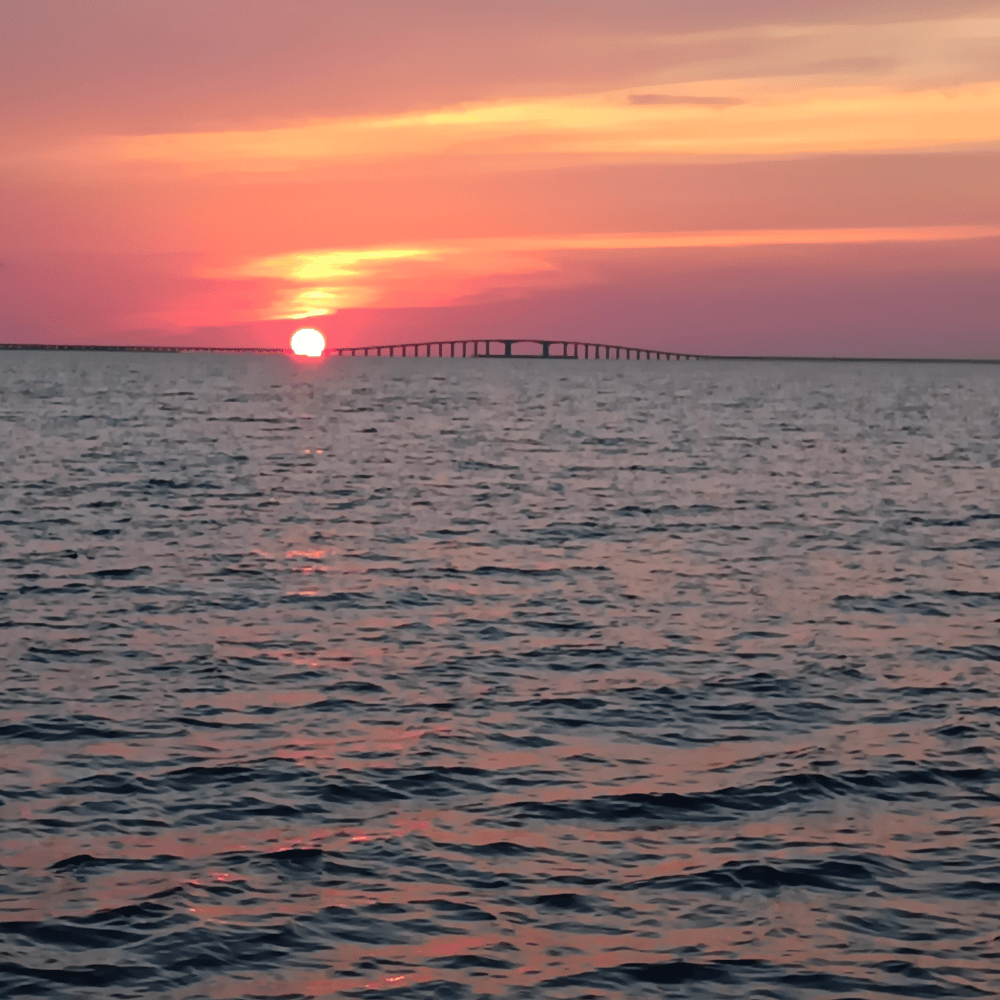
556, 349
568, 349
467, 348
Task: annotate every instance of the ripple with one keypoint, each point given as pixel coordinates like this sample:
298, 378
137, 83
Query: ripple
560, 683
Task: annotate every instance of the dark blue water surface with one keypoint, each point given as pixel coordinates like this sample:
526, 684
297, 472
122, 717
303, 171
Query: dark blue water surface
454, 679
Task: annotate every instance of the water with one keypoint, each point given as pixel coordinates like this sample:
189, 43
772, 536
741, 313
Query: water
513, 679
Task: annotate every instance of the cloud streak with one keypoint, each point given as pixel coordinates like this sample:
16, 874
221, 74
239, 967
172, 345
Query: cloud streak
149, 67
773, 120
678, 99
322, 281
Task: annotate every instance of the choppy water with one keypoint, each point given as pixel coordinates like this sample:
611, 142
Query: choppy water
460, 679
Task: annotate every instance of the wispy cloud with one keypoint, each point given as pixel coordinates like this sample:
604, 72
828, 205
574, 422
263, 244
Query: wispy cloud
317, 282
676, 99
772, 118
853, 64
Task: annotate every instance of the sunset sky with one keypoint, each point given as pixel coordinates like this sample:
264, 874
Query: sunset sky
727, 176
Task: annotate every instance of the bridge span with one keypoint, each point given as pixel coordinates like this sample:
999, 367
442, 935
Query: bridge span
483, 348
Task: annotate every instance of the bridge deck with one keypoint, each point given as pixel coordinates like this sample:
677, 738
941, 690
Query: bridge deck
483, 348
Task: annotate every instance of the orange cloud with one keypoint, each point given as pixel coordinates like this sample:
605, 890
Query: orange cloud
764, 118
319, 282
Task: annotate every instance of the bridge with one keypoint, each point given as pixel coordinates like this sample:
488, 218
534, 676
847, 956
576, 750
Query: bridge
555, 349
568, 349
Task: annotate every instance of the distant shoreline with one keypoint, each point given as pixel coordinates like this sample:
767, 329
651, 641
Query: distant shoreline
147, 350
278, 350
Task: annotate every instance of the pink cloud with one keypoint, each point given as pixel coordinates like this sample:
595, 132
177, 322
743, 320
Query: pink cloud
153, 66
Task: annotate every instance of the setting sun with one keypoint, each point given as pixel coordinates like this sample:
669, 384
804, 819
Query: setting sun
308, 343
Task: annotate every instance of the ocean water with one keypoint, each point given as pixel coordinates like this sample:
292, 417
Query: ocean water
455, 679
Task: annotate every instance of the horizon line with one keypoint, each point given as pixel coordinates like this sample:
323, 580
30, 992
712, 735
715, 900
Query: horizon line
168, 349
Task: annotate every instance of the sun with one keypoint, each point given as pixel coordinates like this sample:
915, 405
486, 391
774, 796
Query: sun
308, 343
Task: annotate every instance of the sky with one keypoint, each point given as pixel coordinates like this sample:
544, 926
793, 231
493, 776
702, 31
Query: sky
737, 177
